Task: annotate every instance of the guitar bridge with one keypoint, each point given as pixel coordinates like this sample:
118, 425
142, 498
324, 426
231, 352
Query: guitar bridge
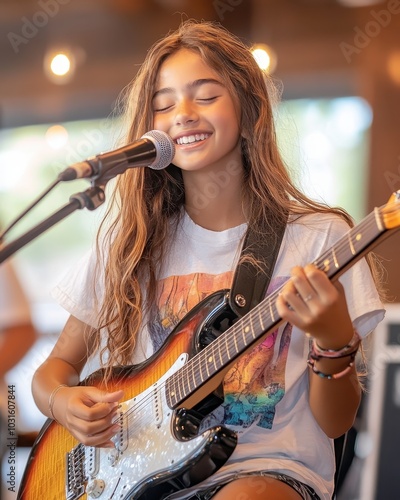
75, 473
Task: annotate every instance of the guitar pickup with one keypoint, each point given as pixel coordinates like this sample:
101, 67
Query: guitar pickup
122, 436
92, 462
157, 405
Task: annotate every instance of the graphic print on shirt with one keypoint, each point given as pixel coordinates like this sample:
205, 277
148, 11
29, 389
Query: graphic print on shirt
256, 383
176, 296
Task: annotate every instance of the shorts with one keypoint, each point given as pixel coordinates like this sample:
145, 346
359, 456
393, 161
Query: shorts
305, 491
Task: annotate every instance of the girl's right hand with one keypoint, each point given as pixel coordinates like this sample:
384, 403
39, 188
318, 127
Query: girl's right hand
88, 414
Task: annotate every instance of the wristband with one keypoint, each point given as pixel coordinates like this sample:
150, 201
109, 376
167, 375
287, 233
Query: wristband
51, 400
329, 376
349, 349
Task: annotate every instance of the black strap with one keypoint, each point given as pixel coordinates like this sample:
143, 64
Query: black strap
252, 277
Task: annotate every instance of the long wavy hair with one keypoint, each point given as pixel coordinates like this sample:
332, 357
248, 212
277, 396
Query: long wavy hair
146, 204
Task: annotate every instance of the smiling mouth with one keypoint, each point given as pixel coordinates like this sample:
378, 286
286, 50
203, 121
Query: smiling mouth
190, 139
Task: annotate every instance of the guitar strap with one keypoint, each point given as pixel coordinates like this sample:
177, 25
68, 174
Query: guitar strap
254, 270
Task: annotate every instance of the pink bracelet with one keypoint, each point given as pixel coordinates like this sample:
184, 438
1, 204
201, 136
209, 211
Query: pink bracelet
318, 352
329, 376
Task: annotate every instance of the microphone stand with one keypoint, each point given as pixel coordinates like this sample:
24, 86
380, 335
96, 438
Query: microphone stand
91, 199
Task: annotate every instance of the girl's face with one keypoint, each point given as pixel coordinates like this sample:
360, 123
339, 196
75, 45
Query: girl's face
193, 106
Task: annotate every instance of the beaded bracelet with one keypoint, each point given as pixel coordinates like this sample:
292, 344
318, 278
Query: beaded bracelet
318, 352
329, 376
51, 400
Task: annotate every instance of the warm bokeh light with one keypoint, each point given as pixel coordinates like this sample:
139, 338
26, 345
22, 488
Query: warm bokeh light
56, 137
265, 57
393, 67
60, 64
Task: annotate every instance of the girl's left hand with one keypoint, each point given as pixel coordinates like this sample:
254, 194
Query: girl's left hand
310, 301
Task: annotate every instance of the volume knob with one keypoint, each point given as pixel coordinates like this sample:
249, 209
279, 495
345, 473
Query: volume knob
95, 488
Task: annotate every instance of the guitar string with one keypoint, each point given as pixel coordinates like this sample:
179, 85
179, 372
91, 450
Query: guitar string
267, 302
262, 310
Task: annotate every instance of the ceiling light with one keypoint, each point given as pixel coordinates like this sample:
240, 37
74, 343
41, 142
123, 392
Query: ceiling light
59, 65
265, 57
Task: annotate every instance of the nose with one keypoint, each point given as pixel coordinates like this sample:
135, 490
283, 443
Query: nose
185, 113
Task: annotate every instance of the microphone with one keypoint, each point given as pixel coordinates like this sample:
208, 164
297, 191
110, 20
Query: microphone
155, 149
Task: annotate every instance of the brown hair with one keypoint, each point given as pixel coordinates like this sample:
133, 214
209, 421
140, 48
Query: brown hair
147, 201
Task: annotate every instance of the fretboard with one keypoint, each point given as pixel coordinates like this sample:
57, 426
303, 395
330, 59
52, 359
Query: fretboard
264, 317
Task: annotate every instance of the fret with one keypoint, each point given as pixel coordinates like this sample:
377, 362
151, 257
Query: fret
171, 390
244, 331
271, 311
225, 337
186, 385
326, 265
179, 392
352, 249
206, 365
235, 342
335, 260
193, 375
211, 360
251, 327
221, 361
200, 371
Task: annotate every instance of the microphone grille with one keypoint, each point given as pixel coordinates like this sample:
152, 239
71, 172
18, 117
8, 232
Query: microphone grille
165, 148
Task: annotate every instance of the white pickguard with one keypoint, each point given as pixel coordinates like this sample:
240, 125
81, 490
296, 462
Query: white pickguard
145, 447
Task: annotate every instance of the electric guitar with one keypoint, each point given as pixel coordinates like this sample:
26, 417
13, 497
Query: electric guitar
159, 450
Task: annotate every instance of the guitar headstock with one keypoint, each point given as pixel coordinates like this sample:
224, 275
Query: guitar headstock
390, 212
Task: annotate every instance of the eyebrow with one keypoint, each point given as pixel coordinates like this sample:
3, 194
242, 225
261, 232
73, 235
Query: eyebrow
190, 85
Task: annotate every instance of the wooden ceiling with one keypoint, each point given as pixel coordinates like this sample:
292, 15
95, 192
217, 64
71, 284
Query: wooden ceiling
110, 39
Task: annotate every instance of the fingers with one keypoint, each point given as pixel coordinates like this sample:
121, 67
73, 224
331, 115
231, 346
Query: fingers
308, 287
91, 415
310, 301
94, 404
298, 295
101, 439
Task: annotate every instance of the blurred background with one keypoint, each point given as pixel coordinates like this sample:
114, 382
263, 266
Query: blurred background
63, 65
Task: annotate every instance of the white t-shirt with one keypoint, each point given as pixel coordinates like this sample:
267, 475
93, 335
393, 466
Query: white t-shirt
268, 404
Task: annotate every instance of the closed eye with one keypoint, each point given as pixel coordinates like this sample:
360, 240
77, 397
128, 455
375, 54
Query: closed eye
160, 110
208, 99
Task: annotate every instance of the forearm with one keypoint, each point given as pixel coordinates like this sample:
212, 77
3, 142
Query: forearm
334, 402
53, 372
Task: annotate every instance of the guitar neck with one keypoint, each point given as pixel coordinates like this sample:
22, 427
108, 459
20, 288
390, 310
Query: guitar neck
264, 317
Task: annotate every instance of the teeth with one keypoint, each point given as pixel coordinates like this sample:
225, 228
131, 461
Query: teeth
188, 139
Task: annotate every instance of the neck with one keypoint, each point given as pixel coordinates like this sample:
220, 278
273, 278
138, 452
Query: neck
214, 202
